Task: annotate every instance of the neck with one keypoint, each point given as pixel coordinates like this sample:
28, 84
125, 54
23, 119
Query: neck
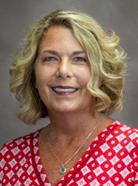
73, 124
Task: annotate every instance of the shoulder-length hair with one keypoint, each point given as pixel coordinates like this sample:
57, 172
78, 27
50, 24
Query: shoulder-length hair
106, 58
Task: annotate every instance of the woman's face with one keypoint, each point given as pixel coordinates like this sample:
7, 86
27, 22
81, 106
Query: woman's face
62, 72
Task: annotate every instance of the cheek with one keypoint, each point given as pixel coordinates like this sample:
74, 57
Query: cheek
38, 79
42, 77
84, 77
41, 86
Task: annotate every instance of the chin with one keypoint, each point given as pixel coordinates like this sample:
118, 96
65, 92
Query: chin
68, 108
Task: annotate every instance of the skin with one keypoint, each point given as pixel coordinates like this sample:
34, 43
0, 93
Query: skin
62, 63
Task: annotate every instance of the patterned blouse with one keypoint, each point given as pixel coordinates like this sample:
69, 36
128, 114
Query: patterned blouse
110, 160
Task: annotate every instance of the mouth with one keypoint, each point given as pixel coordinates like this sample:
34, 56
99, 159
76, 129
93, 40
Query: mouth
64, 90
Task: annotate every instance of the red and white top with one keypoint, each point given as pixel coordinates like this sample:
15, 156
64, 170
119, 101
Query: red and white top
111, 160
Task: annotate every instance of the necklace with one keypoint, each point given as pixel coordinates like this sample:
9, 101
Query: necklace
62, 168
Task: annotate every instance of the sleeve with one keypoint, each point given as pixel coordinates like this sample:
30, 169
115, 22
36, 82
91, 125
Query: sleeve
6, 158
136, 160
3, 151
136, 178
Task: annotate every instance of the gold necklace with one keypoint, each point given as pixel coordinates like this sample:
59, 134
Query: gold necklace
62, 168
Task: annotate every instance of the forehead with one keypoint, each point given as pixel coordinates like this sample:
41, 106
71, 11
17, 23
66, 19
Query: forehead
59, 38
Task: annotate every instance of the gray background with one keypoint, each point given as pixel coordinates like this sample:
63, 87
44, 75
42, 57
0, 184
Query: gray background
15, 19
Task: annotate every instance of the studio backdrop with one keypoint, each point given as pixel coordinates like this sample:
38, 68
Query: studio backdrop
16, 16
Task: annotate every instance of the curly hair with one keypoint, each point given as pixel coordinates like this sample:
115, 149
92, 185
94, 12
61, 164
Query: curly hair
106, 58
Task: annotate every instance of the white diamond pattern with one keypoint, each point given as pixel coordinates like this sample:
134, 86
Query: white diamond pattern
117, 148
101, 159
111, 172
98, 171
81, 182
106, 162
104, 147
130, 146
114, 160
85, 170
127, 160
120, 137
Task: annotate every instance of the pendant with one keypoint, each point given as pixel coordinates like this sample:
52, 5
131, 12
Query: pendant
62, 170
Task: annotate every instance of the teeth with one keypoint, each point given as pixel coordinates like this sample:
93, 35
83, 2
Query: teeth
64, 89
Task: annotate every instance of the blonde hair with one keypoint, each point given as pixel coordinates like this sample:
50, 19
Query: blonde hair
106, 58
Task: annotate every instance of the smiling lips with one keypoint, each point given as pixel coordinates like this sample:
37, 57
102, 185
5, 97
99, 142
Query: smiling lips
64, 90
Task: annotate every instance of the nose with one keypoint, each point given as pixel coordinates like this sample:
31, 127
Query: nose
64, 69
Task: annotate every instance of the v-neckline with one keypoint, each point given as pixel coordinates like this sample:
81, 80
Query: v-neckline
84, 158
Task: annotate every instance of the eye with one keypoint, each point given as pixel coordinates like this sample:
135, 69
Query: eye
79, 59
50, 59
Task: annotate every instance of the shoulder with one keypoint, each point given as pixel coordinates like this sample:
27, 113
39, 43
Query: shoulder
125, 129
18, 146
124, 133
16, 157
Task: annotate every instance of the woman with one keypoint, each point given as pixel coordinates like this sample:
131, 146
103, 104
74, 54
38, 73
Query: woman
72, 71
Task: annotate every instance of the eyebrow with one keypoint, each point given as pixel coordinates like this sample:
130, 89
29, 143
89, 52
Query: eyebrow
56, 53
